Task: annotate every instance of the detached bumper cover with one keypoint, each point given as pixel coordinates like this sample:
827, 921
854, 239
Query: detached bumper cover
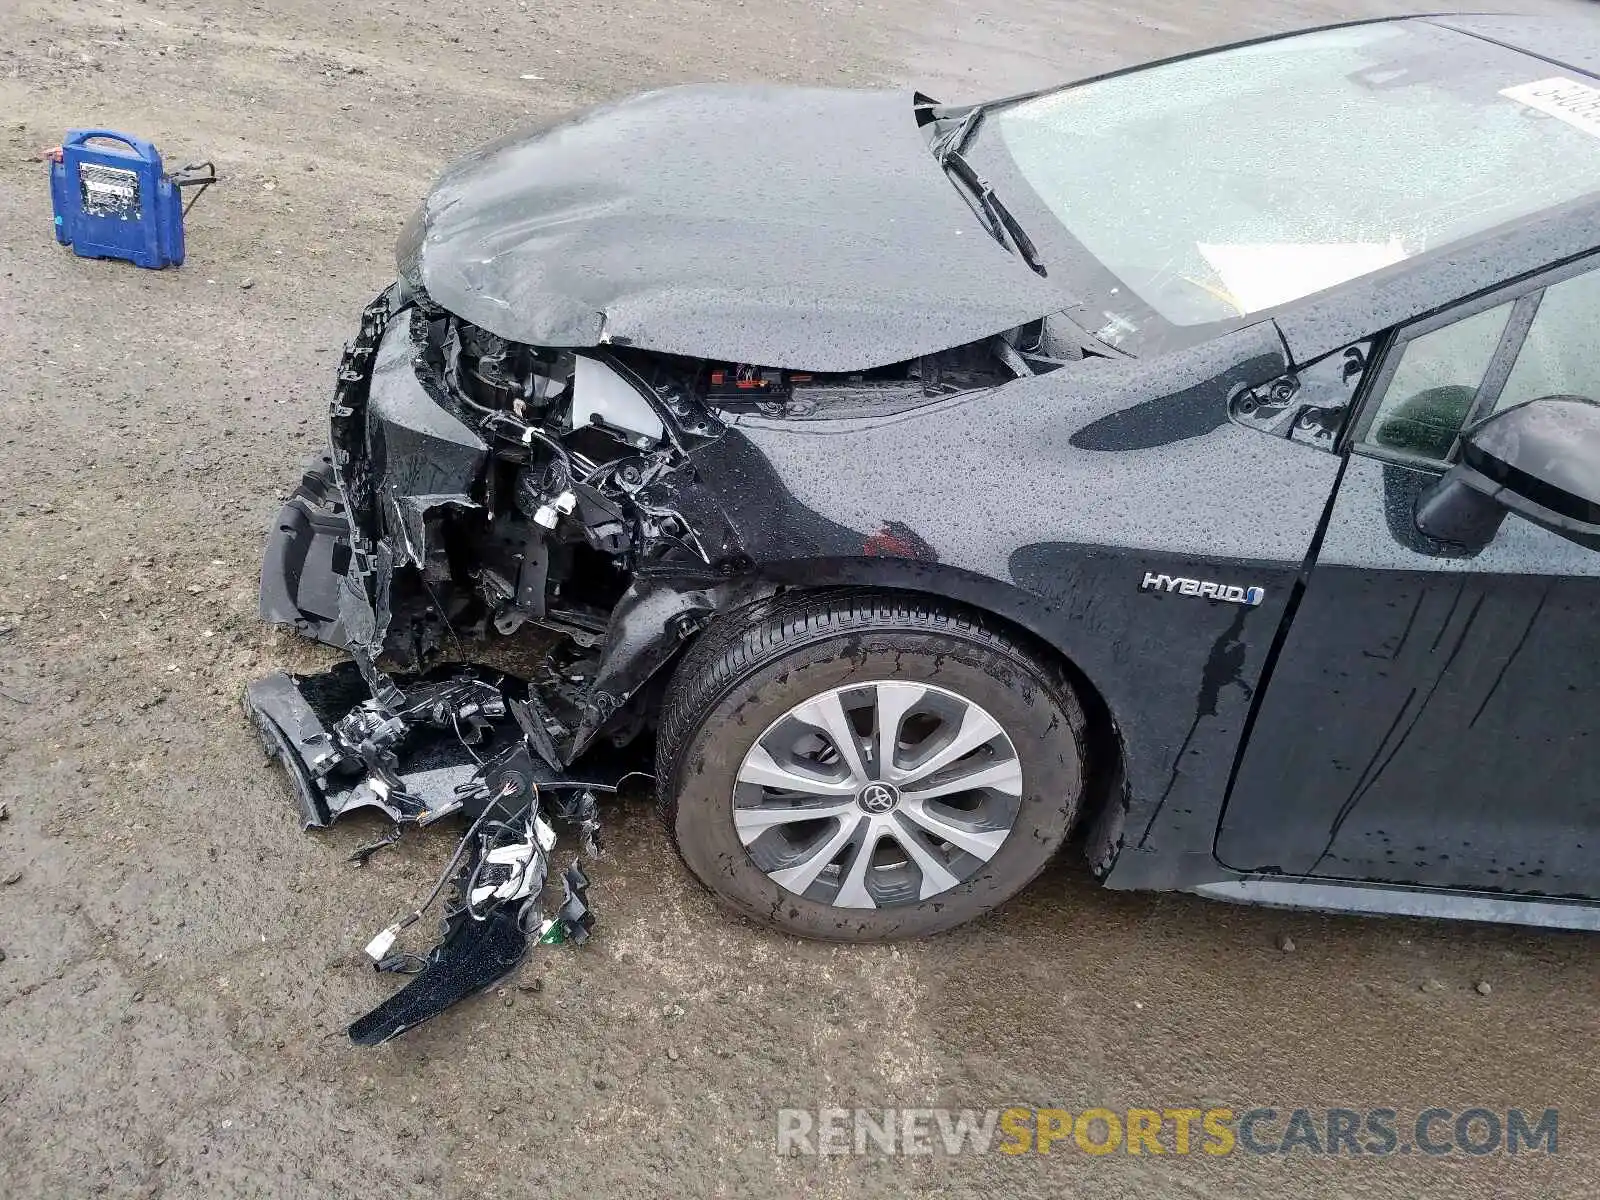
342, 751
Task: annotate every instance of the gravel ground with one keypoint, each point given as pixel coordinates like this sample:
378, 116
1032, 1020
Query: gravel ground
180, 961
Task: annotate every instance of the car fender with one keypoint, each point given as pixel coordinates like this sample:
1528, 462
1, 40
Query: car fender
1048, 502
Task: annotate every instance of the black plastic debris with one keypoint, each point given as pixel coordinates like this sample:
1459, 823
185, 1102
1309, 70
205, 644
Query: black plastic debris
454, 743
473, 957
574, 916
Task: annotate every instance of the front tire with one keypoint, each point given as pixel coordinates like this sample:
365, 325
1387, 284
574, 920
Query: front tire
858, 766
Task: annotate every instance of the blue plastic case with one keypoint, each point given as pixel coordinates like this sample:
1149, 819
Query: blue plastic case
112, 202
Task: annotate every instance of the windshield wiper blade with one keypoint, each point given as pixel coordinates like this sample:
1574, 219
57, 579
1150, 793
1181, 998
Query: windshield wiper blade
1019, 236
1002, 225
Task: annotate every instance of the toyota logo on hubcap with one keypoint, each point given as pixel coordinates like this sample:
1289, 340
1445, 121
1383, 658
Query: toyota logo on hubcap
878, 797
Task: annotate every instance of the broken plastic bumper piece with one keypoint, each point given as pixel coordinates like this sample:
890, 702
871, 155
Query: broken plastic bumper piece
341, 747
307, 557
411, 755
422, 749
475, 956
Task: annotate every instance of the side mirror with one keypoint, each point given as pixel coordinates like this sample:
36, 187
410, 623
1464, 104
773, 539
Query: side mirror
1540, 459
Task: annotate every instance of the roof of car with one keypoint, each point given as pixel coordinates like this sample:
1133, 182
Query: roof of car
1569, 41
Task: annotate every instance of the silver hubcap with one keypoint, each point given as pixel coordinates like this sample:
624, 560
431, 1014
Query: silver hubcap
877, 794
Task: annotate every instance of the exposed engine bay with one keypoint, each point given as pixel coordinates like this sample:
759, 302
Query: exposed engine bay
478, 489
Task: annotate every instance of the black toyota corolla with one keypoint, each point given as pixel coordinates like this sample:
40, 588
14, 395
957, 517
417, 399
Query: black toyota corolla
1199, 464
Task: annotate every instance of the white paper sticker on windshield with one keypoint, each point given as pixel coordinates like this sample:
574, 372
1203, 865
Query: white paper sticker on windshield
1567, 100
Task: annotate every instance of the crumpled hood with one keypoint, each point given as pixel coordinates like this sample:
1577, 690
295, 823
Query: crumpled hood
787, 227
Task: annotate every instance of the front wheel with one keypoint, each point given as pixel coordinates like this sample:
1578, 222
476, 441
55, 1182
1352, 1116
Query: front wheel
857, 766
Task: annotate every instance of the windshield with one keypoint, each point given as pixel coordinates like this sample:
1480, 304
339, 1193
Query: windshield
1229, 183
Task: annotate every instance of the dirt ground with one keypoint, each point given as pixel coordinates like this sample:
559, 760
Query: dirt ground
180, 961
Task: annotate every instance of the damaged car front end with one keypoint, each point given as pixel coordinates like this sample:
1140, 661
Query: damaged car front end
574, 488
475, 485
478, 488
